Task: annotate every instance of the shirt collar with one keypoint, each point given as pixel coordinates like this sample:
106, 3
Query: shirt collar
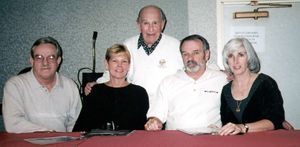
36, 84
204, 76
147, 49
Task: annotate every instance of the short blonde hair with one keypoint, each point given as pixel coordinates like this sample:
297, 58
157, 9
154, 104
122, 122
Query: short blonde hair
115, 49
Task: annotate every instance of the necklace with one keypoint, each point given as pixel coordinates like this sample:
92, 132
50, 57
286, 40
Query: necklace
238, 104
242, 94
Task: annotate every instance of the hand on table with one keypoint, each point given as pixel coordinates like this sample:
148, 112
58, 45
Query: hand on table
231, 129
153, 124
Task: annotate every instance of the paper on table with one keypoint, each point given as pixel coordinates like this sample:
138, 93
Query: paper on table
51, 140
200, 131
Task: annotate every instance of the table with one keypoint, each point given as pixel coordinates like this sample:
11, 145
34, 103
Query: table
277, 138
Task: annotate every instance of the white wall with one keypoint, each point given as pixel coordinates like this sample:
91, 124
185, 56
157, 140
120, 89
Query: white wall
281, 56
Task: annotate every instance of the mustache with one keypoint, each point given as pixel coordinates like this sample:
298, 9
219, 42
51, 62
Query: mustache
192, 66
192, 62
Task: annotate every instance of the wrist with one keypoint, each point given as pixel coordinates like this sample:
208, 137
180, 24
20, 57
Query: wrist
155, 119
152, 117
246, 128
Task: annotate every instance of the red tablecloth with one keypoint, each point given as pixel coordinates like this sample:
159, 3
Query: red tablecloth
278, 138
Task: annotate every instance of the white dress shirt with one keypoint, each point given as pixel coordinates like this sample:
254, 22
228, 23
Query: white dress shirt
185, 103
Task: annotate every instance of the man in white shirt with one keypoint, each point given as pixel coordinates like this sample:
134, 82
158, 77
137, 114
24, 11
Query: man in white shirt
41, 99
190, 98
154, 55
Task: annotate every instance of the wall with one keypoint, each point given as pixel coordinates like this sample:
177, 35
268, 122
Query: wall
203, 21
278, 50
280, 60
72, 23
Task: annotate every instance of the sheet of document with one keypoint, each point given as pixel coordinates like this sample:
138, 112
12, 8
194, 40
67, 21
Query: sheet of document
51, 140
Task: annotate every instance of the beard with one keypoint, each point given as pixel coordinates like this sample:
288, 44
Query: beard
192, 66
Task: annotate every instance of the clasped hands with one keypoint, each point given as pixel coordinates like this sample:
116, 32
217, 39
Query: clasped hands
232, 129
153, 124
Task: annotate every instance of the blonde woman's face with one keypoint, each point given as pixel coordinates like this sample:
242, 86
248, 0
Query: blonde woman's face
118, 65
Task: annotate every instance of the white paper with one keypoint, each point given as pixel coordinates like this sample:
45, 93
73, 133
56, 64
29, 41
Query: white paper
200, 131
255, 34
51, 140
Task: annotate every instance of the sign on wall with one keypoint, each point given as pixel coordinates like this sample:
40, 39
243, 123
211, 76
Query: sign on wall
256, 35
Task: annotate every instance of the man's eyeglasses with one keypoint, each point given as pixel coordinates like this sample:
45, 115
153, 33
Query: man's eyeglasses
40, 58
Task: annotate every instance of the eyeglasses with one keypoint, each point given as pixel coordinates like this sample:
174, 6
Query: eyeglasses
40, 58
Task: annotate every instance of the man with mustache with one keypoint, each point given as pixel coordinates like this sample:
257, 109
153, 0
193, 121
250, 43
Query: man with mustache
190, 98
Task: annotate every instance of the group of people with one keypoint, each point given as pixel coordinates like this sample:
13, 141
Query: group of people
154, 82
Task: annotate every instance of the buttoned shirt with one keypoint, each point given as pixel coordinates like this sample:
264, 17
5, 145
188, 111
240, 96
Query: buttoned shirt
185, 103
30, 107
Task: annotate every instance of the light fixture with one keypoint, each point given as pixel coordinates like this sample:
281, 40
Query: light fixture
255, 14
251, 14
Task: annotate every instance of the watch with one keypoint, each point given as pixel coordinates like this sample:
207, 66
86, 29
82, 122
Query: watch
246, 127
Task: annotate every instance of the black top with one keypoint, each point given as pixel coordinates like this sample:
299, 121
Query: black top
264, 101
125, 106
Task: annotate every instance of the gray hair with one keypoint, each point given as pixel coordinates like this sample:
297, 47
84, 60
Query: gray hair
237, 43
45, 40
196, 37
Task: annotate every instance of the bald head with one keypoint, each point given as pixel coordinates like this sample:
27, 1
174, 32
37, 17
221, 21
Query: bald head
152, 8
